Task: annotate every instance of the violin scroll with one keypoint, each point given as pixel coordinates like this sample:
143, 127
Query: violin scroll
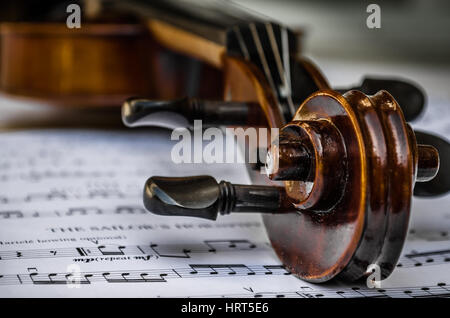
348, 162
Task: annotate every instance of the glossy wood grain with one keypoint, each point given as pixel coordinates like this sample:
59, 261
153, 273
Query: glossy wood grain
318, 246
99, 64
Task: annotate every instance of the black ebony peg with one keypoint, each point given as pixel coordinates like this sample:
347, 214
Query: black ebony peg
183, 112
440, 184
202, 196
409, 96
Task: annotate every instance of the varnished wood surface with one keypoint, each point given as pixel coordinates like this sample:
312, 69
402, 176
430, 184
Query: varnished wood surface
98, 65
368, 223
187, 43
317, 246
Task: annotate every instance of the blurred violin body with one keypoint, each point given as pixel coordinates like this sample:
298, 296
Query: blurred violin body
97, 65
111, 57
162, 50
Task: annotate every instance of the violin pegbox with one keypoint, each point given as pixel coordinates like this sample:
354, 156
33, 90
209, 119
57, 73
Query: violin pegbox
349, 163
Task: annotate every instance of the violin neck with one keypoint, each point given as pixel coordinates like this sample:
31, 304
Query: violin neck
213, 20
210, 19
229, 28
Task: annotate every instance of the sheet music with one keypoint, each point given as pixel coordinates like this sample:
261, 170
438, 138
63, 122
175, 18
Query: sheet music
72, 224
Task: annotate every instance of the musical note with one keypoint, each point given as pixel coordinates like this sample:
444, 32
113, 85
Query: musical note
52, 195
438, 290
113, 250
11, 214
74, 211
222, 245
130, 210
424, 258
84, 211
221, 269
171, 251
159, 250
210, 246
134, 276
102, 193
276, 269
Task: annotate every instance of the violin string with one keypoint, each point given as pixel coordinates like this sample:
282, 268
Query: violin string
287, 68
282, 71
264, 63
242, 45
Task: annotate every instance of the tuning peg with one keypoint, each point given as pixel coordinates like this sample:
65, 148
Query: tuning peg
441, 183
182, 113
203, 197
409, 96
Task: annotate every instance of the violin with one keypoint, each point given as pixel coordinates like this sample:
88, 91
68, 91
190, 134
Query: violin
336, 197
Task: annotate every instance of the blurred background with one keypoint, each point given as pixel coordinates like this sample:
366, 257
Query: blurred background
412, 31
413, 42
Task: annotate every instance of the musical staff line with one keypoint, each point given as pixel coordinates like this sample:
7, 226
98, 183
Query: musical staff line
72, 211
154, 250
62, 196
141, 276
427, 258
439, 290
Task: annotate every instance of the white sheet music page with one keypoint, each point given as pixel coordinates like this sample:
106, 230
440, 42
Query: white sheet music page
72, 224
